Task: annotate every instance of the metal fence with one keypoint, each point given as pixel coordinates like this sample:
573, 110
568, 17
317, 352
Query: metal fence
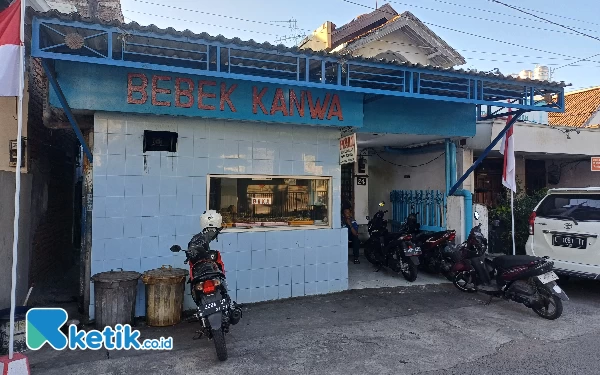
429, 205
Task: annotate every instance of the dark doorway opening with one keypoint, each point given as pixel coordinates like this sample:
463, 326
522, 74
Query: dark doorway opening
535, 176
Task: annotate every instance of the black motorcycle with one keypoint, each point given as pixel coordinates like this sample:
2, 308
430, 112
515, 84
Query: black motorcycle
208, 286
392, 250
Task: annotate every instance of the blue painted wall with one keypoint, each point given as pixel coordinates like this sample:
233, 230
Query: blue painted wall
417, 116
106, 88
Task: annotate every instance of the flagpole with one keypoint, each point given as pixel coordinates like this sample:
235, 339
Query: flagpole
13, 290
512, 212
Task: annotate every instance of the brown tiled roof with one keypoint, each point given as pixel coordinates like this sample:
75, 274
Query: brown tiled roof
362, 23
393, 19
579, 107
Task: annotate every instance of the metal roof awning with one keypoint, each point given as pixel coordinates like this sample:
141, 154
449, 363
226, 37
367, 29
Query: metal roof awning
73, 38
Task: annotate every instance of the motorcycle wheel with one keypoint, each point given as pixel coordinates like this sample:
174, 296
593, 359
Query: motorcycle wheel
410, 274
220, 345
370, 255
462, 280
553, 300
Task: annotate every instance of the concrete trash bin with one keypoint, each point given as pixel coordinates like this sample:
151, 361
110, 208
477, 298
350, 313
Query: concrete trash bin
164, 295
114, 297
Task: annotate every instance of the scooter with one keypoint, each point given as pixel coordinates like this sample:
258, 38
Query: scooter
521, 278
393, 250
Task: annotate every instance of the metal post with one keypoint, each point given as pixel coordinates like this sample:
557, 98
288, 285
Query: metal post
489, 148
66, 108
447, 160
86, 239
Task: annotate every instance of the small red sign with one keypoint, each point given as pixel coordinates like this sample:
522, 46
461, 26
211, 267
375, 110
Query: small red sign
596, 164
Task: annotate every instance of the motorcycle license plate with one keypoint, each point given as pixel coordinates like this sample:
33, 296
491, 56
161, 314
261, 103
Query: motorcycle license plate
547, 277
213, 306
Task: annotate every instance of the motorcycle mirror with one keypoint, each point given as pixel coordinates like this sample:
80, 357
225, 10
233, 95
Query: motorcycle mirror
382, 203
476, 214
368, 218
175, 248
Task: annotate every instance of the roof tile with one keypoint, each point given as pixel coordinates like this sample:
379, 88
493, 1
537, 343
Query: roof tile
579, 107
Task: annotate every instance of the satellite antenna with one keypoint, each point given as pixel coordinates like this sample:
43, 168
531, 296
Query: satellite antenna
295, 32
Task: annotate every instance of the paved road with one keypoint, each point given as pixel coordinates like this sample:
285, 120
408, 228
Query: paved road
415, 330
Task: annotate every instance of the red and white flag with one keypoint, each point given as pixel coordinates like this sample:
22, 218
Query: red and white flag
507, 148
10, 47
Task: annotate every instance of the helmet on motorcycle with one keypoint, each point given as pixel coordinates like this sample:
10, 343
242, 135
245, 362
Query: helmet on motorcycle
211, 219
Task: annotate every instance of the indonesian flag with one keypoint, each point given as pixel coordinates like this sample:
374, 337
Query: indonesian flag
10, 42
507, 148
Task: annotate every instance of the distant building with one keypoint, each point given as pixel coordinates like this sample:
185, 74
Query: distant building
385, 34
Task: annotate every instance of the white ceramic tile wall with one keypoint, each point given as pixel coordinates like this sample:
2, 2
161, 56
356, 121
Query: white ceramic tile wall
145, 203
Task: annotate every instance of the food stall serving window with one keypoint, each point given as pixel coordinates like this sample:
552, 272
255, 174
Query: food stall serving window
252, 201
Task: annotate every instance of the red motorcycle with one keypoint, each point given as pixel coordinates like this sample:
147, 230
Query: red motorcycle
438, 249
521, 278
208, 287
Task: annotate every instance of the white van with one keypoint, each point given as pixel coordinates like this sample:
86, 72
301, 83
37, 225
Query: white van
565, 226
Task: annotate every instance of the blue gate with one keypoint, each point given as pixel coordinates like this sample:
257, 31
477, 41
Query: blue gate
430, 205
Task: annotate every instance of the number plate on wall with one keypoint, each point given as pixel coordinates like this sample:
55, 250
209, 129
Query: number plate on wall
361, 180
264, 201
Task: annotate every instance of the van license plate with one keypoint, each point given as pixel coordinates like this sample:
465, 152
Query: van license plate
569, 241
547, 277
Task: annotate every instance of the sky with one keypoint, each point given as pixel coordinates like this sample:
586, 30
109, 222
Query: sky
489, 35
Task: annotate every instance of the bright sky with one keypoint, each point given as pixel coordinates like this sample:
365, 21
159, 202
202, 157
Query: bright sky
467, 25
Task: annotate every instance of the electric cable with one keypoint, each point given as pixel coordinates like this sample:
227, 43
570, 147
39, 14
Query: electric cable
400, 165
544, 19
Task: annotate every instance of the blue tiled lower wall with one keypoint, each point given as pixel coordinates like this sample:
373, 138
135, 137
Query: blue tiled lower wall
144, 203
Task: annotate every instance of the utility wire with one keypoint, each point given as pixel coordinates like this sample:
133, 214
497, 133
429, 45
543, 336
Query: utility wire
390, 42
203, 23
559, 16
575, 62
210, 14
474, 35
545, 19
512, 16
484, 19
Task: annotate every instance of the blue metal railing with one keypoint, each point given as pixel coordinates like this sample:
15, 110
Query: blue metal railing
109, 45
429, 204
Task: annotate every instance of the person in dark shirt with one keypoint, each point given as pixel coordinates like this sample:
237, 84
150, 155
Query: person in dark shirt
349, 222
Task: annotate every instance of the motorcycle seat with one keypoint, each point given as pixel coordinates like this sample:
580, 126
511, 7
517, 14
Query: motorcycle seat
509, 261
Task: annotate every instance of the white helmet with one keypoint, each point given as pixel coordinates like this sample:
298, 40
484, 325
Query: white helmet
211, 219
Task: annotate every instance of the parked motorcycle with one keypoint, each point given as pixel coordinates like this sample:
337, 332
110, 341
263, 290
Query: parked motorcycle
438, 249
475, 245
392, 250
208, 285
521, 278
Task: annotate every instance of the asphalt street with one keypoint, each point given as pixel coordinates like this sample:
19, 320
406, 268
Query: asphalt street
429, 330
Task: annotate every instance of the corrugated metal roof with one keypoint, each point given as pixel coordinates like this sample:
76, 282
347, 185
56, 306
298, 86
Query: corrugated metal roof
266, 46
580, 106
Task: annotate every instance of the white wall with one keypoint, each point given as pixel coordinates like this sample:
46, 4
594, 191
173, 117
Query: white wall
385, 177
533, 138
396, 42
144, 203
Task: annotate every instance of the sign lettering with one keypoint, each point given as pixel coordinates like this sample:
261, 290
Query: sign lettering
127, 90
263, 201
348, 149
285, 103
595, 163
